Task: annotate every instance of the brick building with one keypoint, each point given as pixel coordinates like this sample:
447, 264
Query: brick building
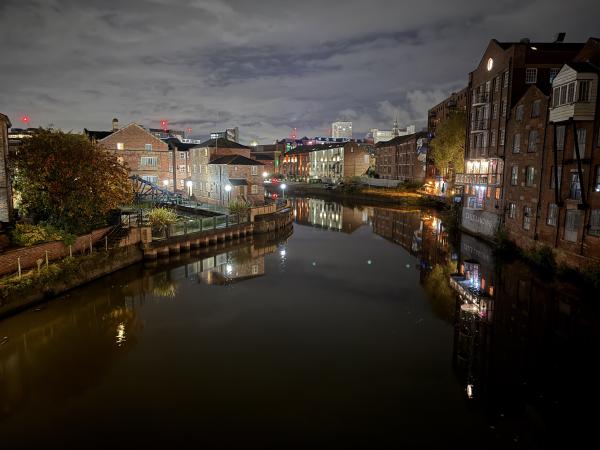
295, 163
403, 158
180, 163
334, 162
146, 155
5, 183
438, 183
206, 185
569, 207
502, 77
525, 139
233, 178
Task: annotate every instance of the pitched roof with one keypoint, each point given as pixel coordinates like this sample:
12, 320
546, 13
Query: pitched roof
583, 67
222, 143
237, 160
175, 143
238, 182
97, 135
401, 139
262, 157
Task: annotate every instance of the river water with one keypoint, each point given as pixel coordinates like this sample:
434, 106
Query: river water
343, 333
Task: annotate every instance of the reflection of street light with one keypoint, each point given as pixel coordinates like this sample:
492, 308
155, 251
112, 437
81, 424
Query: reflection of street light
228, 190
283, 186
189, 184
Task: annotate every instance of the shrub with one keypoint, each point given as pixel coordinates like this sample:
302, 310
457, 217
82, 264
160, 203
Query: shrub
161, 218
239, 207
27, 235
543, 258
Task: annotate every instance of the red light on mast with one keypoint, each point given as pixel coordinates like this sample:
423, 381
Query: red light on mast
164, 124
189, 130
25, 119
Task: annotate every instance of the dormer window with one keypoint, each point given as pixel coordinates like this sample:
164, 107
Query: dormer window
120, 146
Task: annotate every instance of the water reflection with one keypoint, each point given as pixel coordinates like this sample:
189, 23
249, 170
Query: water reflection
329, 214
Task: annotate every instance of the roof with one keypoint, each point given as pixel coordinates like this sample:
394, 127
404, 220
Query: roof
97, 135
221, 142
401, 139
262, 157
583, 67
238, 182
173, 142
236, 160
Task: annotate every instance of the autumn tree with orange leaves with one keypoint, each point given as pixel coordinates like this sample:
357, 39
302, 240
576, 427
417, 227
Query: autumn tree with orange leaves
66, 181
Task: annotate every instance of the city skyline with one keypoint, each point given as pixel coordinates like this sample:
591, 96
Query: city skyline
212, 65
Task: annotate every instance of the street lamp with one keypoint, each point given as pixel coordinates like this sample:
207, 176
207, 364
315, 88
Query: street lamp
283, 186
165, 183
228, 190
265, 174
189, 184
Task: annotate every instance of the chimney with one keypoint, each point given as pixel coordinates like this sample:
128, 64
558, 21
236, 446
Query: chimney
560, 37
115, 124
524, 41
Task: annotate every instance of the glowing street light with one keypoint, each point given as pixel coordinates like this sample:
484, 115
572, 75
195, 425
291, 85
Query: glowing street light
283, 187
165, 183
265, 174
228, 190
189, 185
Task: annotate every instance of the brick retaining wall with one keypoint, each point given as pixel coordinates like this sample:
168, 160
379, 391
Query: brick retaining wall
56, 250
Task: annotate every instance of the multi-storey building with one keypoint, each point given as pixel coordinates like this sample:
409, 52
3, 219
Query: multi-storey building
341, 130
333, 162
144, 154
569, 206
205, 187
180, 164
378, 135
5, 183
233, 178
295, 163
403, 158
504, 73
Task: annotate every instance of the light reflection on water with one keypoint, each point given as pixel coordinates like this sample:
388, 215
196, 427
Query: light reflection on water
345, 332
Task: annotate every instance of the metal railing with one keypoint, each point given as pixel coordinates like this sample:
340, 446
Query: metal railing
482, 179
185, 227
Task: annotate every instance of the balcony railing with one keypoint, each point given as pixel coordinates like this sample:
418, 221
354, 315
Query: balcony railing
480, 125
482, 98
480, 179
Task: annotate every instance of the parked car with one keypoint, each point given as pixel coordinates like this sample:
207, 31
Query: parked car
329, 186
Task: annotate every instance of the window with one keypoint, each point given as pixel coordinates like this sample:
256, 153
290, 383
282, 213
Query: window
529, 175
560, 137
571, 92
556, 96
583, 91
535, 108
182, 155
553, 73
595, 222
575, 187
514, 175
149, 147
120, 146
254, 170
150, 178
563, 95
495, 111
572, 221
526, 218
519, 112
493, 138
503, 106
149, 161
597, 184
552, 178
205, 152
531, 75
502, 137
235, 168
497, 83
512, 210
532, 144
552, 214
516, 143
254, 189
581, 132
506, 78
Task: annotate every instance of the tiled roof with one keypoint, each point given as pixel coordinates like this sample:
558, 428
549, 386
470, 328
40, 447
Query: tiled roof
97, 135
176, 143
401, 139
236, 160
221, 143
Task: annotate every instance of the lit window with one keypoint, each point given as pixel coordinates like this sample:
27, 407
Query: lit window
530, 75
254, 189
514, 175
254, 170
120, 146
575, 187
597, 185
526, 218
502, 137
148, 161
516, 143
530, 176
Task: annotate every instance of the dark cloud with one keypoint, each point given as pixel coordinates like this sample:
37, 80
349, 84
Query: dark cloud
265, 66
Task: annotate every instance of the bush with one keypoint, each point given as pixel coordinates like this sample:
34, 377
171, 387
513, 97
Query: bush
27, 235
239, 207
161, 218
543, 258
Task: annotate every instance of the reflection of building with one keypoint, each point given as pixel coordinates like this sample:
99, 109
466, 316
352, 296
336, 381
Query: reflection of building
230, 267
327, 214
401, 227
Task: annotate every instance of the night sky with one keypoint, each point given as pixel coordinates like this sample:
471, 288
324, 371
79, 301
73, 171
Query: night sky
265, 66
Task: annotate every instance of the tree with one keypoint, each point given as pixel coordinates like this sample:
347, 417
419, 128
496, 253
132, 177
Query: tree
66, 181
448, 145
